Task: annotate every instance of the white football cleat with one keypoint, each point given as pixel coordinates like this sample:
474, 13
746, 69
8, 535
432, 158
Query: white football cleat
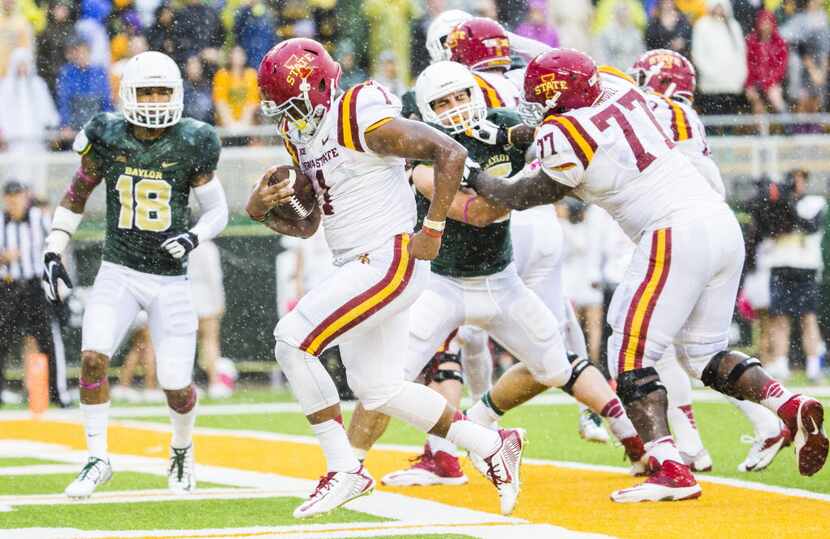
764, 450
181, 478
95, 472
670, 482
335, 489
591, 428
503, 467
701, 462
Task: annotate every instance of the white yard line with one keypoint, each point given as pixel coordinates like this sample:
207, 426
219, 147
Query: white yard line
547, 399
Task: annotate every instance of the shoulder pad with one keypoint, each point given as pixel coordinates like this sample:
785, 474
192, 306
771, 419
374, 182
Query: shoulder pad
362, 109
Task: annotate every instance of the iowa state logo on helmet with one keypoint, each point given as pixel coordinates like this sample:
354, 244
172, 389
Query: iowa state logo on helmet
299, 66
549, 86
666, 60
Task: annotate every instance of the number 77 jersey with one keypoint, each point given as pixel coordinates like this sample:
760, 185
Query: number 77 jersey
616, 155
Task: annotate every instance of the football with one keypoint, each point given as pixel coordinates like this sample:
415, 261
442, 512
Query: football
302, 203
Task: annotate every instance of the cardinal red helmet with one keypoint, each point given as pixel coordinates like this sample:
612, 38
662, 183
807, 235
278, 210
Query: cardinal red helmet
479, 44
558, 81
298, 81
667, 73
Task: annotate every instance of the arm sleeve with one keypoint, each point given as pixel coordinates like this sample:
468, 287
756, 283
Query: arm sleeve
211, 197
559, 159
363, 109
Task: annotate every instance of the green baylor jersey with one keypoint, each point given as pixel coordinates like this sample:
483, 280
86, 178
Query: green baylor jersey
466, 250
148, 186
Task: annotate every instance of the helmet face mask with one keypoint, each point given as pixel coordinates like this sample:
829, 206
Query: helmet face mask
452, 87
151, 70
298, 81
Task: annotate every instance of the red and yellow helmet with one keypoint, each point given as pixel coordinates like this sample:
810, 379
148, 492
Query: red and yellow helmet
479, 43
667, 73
556, 82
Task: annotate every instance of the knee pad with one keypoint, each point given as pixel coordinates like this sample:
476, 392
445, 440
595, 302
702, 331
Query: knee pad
578, 364
725, 383
553, 372
637, 384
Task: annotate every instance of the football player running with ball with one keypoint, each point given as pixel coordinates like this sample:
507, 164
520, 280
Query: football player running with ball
150, 159
598, 140
352, 146
474, 280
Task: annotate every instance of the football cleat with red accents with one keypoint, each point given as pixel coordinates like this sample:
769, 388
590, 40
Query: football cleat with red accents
335, 489
671, 481
502, 468
428, 468
699, 462
764, 450
806, 420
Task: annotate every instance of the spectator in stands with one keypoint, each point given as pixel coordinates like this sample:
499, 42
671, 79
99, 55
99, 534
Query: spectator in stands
197, 30
808, 34
83, 90
719, 54
766, 55
28, 113
352, 74
745, 12
235, 93
15, 32
51, 43
389, 26
137, 45
604, 14
161, 35
668, 28
388, 73
795, 260
198, 94
325, 21
692, 9
621, 43
418, 60
122, 23
147, 11
572, 20
255, 30
91, 28
534, 25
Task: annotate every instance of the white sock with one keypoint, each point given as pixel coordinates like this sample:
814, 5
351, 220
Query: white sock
765, 423
663, 449
813, 367
621, 426
682, 423
472, 437
182, 427
436, 443
360, 454
96, 417
774, 395
335, 444
483, 415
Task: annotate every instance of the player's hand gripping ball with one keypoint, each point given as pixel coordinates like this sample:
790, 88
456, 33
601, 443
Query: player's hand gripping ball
301, 203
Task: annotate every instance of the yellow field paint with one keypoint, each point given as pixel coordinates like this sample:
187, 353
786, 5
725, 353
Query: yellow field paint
574, 499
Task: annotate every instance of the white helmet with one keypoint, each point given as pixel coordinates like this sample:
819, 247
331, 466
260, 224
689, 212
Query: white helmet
445, 78
439, 29
151, 70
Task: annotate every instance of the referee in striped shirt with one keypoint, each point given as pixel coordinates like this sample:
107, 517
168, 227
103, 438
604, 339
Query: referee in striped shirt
24, 311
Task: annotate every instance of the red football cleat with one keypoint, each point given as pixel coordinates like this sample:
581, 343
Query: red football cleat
671, 481
439, 468
806, 420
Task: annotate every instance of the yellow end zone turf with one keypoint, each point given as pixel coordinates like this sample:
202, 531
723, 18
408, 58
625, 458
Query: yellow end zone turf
574, 499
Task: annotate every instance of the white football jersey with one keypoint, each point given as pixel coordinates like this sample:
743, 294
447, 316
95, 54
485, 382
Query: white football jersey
365, 198
499, 90
683, 125
616, 155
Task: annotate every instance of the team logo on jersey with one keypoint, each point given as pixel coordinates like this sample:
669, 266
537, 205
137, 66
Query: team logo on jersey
299, 66
549, 86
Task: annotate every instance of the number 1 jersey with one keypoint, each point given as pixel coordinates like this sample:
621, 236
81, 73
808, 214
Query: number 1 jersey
616, 155
147, 186
365, 197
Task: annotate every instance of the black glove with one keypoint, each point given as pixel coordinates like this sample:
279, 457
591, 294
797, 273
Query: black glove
55, 281
471, 172
490, 133
179, 246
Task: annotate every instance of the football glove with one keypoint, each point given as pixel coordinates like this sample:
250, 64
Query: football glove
55, 281
179, 246
471, 172
490, 133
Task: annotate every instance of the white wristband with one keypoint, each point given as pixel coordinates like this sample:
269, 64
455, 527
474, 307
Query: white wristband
64, 223
435, 225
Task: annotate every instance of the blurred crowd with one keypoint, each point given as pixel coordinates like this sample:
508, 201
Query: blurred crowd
60, 60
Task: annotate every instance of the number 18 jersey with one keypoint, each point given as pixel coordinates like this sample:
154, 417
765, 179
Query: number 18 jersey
616, 155
365, 197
